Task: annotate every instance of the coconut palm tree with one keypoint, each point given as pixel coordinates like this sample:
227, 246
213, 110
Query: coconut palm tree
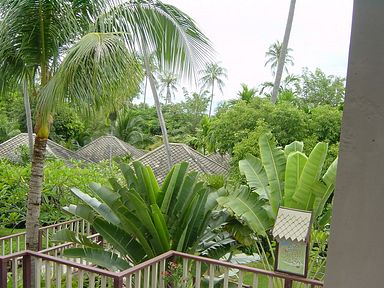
168, 82
273, 55
153, 66
33, 35
283, 54
96, 66
211, 75
247, 94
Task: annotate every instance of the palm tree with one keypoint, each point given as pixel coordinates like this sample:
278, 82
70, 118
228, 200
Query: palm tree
273, 55
97, 66
290, 83
32, 39
213, 74
168, 82
153, 66
284, 50
247, 94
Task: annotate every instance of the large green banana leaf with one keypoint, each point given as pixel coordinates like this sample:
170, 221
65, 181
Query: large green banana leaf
295, 164
295, 146
121, 240
99, 257
170, 189
184, 196
66, 235
249, 208
310, 176
117, 237
81, 211
255, 174
101, 208
139, 219
329, 179
273, 159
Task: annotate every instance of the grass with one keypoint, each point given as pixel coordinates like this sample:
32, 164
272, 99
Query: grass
9, 231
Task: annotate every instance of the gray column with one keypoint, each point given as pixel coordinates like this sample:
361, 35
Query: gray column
356, 248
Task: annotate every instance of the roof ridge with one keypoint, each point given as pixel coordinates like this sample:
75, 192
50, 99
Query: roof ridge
189, 150
12, 138
120, 143
51, 142
207, 158
86, 145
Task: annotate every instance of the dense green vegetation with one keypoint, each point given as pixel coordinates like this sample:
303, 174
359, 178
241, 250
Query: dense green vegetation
142, 219
59, 178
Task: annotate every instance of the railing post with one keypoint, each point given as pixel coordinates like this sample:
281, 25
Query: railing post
40, 240
287, 283
27, 271
118, 282
3, 273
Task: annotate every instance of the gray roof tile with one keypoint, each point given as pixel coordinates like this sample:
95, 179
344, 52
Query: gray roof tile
180, 152
222, 159
104, 147
8, 149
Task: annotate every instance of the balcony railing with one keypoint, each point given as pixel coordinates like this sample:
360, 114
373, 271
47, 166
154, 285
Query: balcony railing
16, 242
193, 271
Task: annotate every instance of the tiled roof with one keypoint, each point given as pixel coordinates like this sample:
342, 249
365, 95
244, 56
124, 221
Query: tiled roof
8, 149
180, 152
104, 147
222, 159
292, 224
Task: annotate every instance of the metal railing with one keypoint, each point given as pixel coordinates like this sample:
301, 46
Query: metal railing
16, 242
193, 271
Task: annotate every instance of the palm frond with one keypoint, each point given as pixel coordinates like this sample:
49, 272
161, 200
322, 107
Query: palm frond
152, 27
96, 68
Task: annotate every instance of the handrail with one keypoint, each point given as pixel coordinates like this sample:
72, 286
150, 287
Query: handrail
41, 228
71, 264
146, 264
60, 246
246, 268
17, 242
119, 277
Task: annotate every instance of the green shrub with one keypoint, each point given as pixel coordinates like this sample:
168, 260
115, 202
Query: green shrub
59, 177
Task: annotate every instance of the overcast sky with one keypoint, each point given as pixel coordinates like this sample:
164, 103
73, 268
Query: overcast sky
241, 32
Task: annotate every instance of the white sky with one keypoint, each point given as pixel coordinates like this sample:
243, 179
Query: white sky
241, 32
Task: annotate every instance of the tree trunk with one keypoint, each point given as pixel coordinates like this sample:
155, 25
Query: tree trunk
34, 195
28, 116
158, 110
145, 90
210, 105
283, 52
34, 201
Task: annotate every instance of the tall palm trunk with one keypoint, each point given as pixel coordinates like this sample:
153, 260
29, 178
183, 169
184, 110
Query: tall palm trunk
145, 90
27, 108
210, 105
34, 195
169, 96
283, 52
163, 128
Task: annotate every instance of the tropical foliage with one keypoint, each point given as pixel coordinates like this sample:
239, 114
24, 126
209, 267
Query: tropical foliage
213, 74
141, 219
168, 85
281, 177
59, 178
273, 55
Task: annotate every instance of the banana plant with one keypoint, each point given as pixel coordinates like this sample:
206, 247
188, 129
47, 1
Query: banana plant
282, 177
141, 219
